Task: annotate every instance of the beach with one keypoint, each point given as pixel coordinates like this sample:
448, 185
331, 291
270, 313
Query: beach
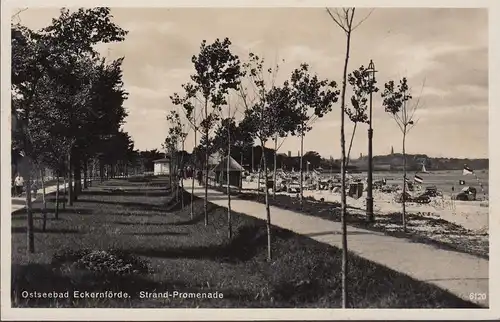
471, 215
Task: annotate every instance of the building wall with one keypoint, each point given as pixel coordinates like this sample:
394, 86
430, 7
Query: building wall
162, 168
234, 178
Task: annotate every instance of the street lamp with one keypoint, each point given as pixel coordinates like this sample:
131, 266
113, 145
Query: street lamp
369, 188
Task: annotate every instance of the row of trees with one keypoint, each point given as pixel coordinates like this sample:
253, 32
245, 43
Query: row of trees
222, 84
67, 102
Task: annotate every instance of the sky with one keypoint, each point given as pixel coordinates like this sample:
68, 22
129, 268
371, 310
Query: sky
444, 59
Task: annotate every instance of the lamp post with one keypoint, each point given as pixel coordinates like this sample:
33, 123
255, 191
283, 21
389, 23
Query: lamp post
369, 188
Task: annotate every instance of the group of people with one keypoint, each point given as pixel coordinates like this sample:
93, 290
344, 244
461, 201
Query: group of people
190, 173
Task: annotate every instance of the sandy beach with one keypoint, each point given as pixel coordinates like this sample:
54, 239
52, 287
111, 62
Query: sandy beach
471, 215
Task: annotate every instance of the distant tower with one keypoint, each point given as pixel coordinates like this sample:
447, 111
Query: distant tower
392, 150
289, 154
361, 155
298, 153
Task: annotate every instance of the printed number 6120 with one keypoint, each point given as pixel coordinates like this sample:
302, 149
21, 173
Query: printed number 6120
477, 296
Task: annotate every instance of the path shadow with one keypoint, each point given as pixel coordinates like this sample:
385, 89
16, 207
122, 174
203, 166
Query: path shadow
23, 230
37, 217
121, 203
132, 223
161, 233
54, 199
51, 211
124, 193
246, 244
193, 221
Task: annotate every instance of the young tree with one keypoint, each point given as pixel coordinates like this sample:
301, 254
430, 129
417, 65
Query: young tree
228, 135
362, 85
222, 141
272, 104
179, 134
344, 19
171, 147
314, 98
217, 70
188, 103
396, 101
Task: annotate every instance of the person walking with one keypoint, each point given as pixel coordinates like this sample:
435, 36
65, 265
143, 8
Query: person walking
34, 189
199, 176
19, 183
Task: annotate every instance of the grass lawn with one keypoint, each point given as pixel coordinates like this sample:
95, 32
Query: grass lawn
152, 245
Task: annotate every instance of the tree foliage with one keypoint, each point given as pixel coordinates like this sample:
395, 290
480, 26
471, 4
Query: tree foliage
362, 85
66, 100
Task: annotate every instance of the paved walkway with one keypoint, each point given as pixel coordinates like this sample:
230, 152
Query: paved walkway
460, 274
20, 202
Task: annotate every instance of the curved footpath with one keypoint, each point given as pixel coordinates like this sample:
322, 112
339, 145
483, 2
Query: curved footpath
460, 274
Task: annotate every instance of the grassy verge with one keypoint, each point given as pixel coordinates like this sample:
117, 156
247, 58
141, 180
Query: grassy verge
432, 231
129, 237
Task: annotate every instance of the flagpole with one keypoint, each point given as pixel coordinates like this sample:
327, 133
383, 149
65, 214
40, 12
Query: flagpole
480, 184
468, 170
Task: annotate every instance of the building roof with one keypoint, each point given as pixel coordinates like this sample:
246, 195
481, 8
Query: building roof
162, 160
214, 159
233, 165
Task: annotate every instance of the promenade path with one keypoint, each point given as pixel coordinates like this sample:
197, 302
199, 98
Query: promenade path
20, 202
458, 273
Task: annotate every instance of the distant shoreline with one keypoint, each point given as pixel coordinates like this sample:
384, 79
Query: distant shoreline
398, 171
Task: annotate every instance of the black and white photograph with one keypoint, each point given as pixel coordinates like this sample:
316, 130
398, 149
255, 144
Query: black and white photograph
200, 157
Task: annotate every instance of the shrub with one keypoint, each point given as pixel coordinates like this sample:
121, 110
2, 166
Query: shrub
103, 263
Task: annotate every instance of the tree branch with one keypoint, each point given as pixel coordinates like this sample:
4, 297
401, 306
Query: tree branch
336, 20
362, 20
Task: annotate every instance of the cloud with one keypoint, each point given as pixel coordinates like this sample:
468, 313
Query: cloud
147, 93
135, 27
424, 57
446, 47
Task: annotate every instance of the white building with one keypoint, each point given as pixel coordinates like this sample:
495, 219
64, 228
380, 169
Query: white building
162, 166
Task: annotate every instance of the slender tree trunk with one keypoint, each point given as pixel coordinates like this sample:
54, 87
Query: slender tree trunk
57, 197
350, 144
343, 177
205, 201
85, 174
183, 175
194, 172
253, 164
241, 173
268, 209
301, 166
174, 176
221, 173
404, 179
29, 210
65, 187
170, 172
44, 201
275, 165
260, 175
70, 181
229, 223
77, 180
92, 173
101, 170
